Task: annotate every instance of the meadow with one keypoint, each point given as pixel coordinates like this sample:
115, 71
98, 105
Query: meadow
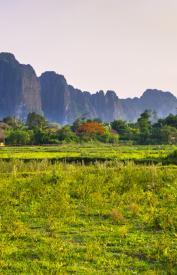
88, 152
104, 217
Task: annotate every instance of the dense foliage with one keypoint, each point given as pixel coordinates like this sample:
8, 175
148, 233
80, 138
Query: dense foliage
146, 130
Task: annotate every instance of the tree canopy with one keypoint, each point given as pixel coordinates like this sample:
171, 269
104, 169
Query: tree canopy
37, 130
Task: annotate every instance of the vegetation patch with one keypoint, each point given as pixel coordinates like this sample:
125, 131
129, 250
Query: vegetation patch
100, 218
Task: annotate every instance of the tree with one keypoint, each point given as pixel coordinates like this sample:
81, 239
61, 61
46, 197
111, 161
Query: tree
120, 126
18, 137
36, 121
168, 135
144, 126
123, 129
13, 122
67, 135
77, 123
171, 120
91, 129
110, 136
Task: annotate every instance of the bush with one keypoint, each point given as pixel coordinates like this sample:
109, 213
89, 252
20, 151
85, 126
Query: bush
19, 137
171, 158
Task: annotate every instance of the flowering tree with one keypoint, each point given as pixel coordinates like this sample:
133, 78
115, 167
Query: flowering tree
91, 128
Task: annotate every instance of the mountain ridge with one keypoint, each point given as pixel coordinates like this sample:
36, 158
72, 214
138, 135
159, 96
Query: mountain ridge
21, 92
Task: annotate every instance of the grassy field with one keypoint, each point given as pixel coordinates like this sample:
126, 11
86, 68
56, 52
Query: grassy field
74, 152
101, 218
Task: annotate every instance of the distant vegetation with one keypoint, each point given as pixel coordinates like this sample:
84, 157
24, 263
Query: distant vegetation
37, 131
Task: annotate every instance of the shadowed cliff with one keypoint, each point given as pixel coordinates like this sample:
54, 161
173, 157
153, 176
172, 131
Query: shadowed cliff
19, 88
22, 92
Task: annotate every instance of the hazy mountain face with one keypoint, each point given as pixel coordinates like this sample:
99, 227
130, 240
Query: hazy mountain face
19, 88
163, 103
22, 92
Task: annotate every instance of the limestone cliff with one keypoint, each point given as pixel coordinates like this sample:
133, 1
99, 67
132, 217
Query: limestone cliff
21, 92
19, 88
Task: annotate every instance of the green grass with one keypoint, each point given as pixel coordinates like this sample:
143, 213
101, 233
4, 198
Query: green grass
88, 152
103, 218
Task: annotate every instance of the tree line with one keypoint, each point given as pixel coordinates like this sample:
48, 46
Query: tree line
36, 130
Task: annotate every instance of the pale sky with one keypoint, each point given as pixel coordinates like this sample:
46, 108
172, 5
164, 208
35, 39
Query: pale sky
121, 45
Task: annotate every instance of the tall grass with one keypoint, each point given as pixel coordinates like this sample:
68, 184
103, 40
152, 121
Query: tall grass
95, 219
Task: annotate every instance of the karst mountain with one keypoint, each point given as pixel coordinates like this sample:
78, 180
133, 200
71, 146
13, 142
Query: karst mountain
22, 91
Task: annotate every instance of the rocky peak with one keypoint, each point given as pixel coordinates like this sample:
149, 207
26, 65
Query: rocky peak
7, 57
112, 94
154, 93
55, 96
19, 88
52, 75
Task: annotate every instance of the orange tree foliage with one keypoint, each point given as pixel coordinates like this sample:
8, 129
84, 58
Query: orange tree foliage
91, 128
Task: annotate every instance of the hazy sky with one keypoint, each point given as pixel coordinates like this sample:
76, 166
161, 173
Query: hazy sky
122, 45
